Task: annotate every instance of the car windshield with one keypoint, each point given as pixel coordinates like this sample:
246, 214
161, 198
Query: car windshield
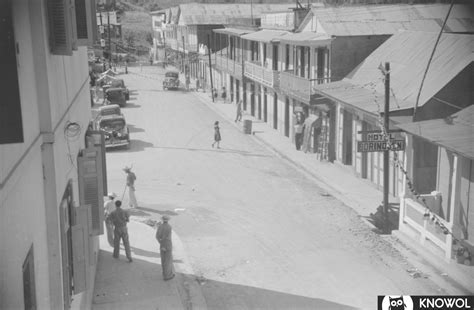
171, 74
114, 94
112, 124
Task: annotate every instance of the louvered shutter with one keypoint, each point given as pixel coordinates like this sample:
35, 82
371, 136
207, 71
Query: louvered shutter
80, 241
60, 32
85, 18
91, 190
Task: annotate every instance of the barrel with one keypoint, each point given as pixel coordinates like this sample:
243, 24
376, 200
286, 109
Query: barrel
247, 126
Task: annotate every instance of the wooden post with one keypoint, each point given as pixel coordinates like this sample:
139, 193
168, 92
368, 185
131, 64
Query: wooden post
210, 65
386, 154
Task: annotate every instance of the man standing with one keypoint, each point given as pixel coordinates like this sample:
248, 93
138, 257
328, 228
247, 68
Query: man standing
109, 207
238, 112
163, 235
120, 218
131, 177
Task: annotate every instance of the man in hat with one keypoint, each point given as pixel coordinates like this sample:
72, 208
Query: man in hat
109, 206
131, 177
120, 218
163, 235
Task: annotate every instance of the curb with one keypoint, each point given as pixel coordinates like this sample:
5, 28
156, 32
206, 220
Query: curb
186, 287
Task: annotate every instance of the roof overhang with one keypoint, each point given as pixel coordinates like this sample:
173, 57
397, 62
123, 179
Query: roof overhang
312, 39
233, 31
266, 36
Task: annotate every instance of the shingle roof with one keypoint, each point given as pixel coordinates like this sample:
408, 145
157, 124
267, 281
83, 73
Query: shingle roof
455, 133
408, 53
388, 19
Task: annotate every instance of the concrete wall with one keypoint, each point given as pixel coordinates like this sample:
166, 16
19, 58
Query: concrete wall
348, 52
54, 90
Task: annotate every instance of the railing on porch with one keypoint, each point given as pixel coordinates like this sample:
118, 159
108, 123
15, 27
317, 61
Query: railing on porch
300, 87
412, 214
228, 65
261, 74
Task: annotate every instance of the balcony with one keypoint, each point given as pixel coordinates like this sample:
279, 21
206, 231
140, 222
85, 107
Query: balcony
262, 75
299, 87
228, 65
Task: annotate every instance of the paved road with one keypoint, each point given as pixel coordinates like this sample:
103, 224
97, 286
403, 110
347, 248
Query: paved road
261, 234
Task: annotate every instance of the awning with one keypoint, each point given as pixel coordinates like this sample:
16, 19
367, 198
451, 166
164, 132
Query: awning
307, 38
233, 31
359, 97
455, 132
266, 35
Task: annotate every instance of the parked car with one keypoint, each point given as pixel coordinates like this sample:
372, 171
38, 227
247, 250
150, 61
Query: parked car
119, 83
115, 130
115, 96
171, 80
111, 109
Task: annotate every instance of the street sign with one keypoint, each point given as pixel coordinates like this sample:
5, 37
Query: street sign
380, 146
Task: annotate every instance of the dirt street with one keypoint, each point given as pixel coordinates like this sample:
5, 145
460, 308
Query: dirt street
260, 234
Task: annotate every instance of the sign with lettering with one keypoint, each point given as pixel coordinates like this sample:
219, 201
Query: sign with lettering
380, 146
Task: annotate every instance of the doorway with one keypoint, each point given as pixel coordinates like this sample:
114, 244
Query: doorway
347, 138
287, 117
252, 99
265, 105
275, 111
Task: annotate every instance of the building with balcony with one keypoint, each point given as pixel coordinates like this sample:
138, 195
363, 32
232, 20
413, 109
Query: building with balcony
51, 182
360, 97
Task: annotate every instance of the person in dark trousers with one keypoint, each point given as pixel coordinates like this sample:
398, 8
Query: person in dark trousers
224, 93
120, 218
299, 131
109, 207
238, 112
163, 236
217, 134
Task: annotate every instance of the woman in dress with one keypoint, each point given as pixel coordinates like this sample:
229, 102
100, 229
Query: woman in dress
217, 135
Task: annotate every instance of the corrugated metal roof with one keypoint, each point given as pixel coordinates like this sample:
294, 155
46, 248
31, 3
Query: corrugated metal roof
408, 53
455, 133
307, 39
233, 31
219, 13
266, 35
388, 19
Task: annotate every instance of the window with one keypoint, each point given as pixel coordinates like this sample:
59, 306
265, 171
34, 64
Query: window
29, 288
71, 23
11, 127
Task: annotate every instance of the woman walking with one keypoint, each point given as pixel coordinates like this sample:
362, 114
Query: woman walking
217, 134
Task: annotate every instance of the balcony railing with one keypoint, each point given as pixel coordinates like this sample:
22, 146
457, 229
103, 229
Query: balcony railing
300, 87
228, 65
262, 75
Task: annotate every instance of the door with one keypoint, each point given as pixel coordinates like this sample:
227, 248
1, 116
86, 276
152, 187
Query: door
287, 117
275, 111
237, 90
347, 138
252, 99
259, 103
265, 105
275, 58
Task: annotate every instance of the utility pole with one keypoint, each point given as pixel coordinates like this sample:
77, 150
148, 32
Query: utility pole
110, 45
210, 65
386, 154
184, 55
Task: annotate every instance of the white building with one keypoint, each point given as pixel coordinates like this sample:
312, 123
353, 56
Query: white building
49, 244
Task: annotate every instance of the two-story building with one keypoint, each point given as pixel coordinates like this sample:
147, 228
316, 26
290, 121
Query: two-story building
51, 180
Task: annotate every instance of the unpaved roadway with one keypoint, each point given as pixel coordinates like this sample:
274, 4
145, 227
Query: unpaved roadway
262, 235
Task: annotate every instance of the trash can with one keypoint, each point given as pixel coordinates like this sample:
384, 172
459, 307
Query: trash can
247, 126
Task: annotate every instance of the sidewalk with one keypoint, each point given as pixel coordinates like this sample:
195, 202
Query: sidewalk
140, 285
358, 194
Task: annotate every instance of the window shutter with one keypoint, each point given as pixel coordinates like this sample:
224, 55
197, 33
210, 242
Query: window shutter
80, 241
60, 32
72, 20
85, 13
91, 190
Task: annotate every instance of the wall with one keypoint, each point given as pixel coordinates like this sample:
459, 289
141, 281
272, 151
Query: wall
53, 90
348, 52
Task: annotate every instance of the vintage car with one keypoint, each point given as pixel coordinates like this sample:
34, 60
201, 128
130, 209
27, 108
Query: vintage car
115, 130
111, 109
115, 96
171, 80
119, 83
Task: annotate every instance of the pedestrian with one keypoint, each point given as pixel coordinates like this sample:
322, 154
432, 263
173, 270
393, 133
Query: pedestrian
120, 218
109, 207
299, 129
163, 236
198, 84
188, 82
131, 177
217, 134
238, 116
224, 94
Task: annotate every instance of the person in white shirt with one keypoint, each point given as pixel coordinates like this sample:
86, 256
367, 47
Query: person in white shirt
109, 206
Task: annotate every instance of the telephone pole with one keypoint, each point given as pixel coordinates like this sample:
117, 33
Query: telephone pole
386, 153
210, 65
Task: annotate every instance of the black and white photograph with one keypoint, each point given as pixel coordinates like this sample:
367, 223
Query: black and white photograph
236, 154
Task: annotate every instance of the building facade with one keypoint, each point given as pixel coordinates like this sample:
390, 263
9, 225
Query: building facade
51, 182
